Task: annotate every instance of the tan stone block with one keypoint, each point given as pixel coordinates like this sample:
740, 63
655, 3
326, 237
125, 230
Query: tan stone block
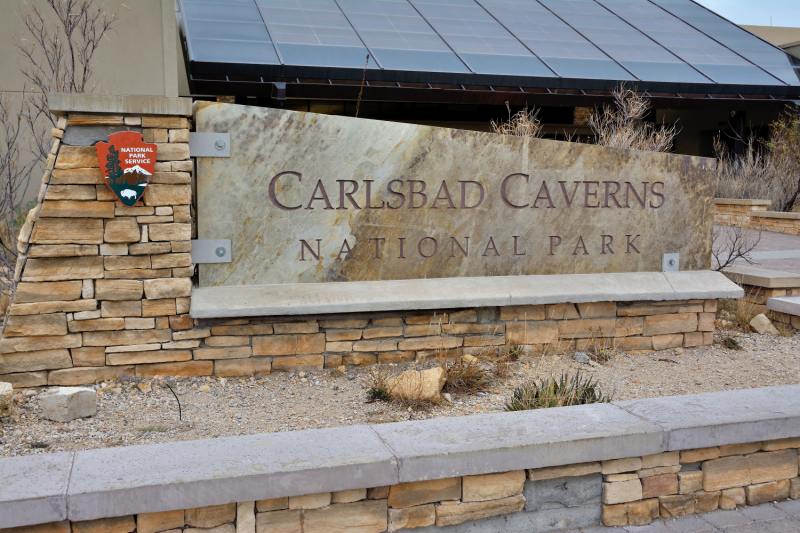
458, 514
587, 328
31, 326
171, 260
484, 340
104, 194
772, 466
794, 488
99, 324
629, 326
121, 230
690, 481
120, 524
643, 512
149, 248
277, 345
474, 329
172, 178
378, 493
77, 119
661, 459
115, 249
730, 498
553, 472
24, 380
30, 361
359, 359
71, 192
155, 135
694, 338
183, 272
616, 466
525, 333
181, 213
211, 516
182, 305
220, 341
699, 454
295, 327
724, 473
307, 363
663, 485
739, 449
91, 356
166, 122
157, 522
378, 346
77, 157
255, 329
468, 315
427, 319
51, 527
705, 502
233, 352
172, 151
279, 522
597, 309
340, 335
412, 517
613, 478
773, 445
492, 486
669, 324
170, 232
521, 312
78, 176
44, 292
153, 308
162, 194
243, 367
706, 321
191, 334
188, 368
357, 517
665, 342
70, 377
74, 209
62, 250
658, 471
126, 262
615, 515
181, 322
422, 330
388, 322
348, 496
425, 343
396, 357
622, 491
564, 311
126, 337
121, 308
767, 492
68, 231
118, 289
274, 504
156, 289
710, 306
420, 492
133, 348
310, 501
32, 344
676, 505
151, 356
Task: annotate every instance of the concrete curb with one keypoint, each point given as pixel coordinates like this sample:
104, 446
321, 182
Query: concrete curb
109, 482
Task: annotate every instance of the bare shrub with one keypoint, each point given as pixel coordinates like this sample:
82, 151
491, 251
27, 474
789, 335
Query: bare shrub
464, 375
767, 169
621, 125
524, 123
730, 243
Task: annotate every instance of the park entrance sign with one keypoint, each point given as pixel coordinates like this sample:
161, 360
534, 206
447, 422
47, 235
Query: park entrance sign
127, 164
309, 198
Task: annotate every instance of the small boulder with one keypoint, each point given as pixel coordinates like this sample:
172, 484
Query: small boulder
68, 403
417, 384
6, 391
582, 358
761, 324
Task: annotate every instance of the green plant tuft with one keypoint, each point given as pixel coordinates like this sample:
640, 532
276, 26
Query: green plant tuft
552, 392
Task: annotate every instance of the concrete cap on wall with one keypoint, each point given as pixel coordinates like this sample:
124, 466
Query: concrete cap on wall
65, 103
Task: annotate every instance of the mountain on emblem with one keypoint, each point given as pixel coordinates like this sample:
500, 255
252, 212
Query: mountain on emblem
127, 164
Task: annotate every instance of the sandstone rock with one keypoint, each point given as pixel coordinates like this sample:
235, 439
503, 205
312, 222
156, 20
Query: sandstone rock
171, 260
584, 329
298, 344
658, 471
419, 492
772, 466
522, 312
224, 528
30, 326
661, 459
155, 135
613, 478
427, 343
369, 516
663, 485
689, 482
157, 522
6, 391
622, 492
150, 356
669, 324
412, 517
423, 385
51, 527
172, 178
161, 194
78, 176
621, 465
170, 232
375, 346
767, 492
705, 502
359, 359
492, 486
348, 496
166, 122
741, 449
422, 330
794, 488
68, 231
310, 501
665, 342
553, 472
730, 498
676, 505
154, 308
68, 403
126, 337
63, 268
172, 151
188, 368
725, 473
762, 325
75, 209
278, 522
245, 517
120, 524
643, 512
274, 504
24, 380
191, 334
125, 262
221, 341
62, 250
565, 311
378, 493
255, 329
84, 375
700, 454
71, 192
525, 333
118, 289
122, 230
155, 289
458, 514
36, 348
615, 515
77, 157
212, 516
770, 445
308, 363
129, 308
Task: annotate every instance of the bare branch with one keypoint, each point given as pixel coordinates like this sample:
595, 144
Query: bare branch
732, 243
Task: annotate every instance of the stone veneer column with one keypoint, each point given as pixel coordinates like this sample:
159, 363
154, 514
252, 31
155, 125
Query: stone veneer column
95, 275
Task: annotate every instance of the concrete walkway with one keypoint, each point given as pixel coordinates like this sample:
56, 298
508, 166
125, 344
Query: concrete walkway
776, 252
783, 517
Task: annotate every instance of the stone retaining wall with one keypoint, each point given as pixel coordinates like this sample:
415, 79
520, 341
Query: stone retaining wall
631, 491
753, 214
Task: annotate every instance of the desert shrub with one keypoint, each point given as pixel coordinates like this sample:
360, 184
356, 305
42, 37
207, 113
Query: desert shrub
556, 392
736, 314
524, 123
502, 358
378, 390
464, 375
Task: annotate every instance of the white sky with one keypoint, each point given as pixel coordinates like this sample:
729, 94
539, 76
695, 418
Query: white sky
757, 12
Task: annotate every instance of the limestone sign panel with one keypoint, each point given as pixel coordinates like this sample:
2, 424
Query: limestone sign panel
309, 198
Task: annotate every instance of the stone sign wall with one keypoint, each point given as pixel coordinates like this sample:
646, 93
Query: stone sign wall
317, 198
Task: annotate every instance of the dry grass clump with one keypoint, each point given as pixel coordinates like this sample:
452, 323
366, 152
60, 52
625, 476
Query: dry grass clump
556, 392
524, 123
736, 314
464, 375
378, 390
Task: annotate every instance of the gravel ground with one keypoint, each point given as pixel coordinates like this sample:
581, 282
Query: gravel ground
145, 411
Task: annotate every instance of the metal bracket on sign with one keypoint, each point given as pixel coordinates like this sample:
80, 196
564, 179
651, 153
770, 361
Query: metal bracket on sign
670, 262
211, 251
203, 144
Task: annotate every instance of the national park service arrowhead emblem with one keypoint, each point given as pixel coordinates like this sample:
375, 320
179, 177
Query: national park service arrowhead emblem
127, 164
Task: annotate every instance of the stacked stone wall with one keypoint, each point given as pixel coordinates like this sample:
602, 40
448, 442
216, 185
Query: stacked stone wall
622, 492
745, 214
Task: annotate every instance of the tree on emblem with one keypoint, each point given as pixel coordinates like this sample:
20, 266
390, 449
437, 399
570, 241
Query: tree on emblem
113, 170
